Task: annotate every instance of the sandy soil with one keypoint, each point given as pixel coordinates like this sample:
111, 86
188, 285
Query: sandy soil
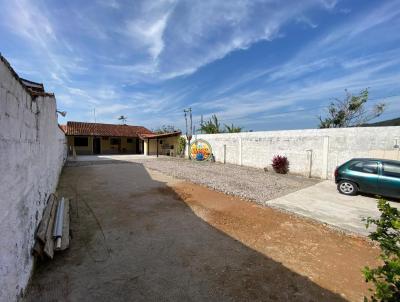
139, 235
331, 259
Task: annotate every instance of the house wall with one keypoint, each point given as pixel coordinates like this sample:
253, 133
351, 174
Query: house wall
326, 148
106, 147
80, 150
32, 153
170, 144
152, 147
165, 146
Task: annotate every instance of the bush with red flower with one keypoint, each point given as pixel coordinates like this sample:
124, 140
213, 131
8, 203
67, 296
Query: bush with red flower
280, 164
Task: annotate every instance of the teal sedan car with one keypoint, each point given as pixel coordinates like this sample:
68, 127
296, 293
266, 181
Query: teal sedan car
369, 175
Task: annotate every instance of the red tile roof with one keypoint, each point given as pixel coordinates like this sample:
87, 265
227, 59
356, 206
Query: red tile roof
63, 128
80, 128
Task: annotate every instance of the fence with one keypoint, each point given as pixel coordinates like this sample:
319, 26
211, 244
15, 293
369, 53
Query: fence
311, 152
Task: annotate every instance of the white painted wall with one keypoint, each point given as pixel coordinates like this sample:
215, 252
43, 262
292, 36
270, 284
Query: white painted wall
329, 147
32, 152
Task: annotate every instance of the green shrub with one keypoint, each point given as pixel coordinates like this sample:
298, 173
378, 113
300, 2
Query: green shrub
386, 277
181, 145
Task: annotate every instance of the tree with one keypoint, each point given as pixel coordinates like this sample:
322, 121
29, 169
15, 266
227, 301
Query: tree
350, 112
181, 145
211, 126
166, 129
386, 277
233, 129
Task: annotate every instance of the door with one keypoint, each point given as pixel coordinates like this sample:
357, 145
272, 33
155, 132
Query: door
389, 181
96, 145
365, 174
137, 142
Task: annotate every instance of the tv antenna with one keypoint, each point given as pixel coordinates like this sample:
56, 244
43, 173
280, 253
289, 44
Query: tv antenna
123, 119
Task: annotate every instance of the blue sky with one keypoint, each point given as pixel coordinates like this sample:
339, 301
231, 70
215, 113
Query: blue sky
263, 65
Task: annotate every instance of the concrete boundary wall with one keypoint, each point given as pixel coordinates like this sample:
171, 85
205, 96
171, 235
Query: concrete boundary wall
32, 153
315, 152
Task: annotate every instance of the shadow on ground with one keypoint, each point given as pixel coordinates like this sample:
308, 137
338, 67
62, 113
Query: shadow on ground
392, 199
134, 239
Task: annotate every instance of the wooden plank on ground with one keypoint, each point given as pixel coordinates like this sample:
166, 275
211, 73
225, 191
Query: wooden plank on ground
49, 244
42, 229
65, 233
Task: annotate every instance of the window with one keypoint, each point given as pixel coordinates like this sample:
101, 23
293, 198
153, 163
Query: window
391, 170
105, 138
160, 142
115, 141
81, 141
365, 167
129, 140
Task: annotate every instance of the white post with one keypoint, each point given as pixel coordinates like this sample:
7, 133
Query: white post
224, 154
240, 151
309, 157
325, 152
145, 147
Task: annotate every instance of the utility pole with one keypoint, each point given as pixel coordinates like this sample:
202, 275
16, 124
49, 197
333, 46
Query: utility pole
201, 124
189, 127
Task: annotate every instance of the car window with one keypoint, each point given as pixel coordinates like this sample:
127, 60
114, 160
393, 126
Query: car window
370, 167
391, 170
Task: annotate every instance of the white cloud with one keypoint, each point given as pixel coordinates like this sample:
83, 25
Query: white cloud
359, 25
109, 3
111, 109
65, 100
147, 27
24, 18
179, 36
149, 34
121, 54
307, 21
31, 22
329, 4
282, 96
196, 35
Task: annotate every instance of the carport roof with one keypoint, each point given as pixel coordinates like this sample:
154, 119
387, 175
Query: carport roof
159, 135
82, 128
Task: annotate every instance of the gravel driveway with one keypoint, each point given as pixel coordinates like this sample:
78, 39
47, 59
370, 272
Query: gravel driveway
245, 182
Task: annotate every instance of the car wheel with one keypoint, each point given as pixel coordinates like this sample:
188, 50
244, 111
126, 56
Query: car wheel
347, 187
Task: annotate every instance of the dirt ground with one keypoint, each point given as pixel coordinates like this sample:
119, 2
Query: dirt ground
139, 235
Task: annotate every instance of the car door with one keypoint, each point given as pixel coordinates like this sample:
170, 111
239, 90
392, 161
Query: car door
365, 174
389, 180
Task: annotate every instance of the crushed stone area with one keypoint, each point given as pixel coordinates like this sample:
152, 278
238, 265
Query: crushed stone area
245, 182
